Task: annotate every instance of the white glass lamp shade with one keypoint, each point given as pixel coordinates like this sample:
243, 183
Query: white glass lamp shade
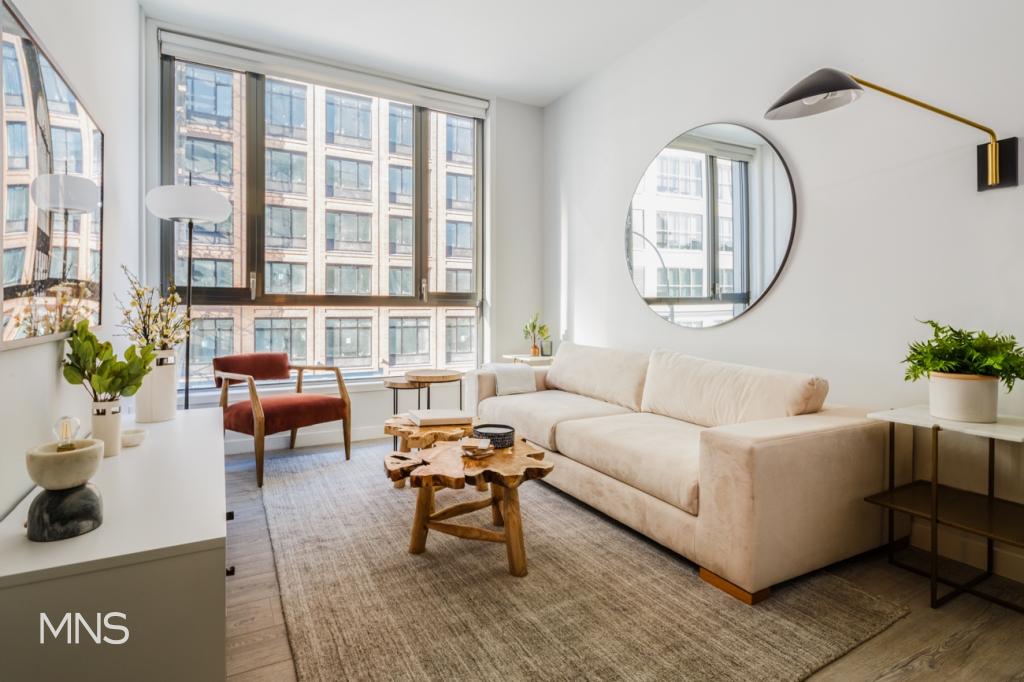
71, 193
188, 202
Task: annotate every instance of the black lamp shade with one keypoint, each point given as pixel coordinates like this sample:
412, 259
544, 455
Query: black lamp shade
823, 90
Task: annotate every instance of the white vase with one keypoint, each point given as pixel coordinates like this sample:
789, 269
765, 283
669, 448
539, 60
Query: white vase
106, 426
157, 399
963, 397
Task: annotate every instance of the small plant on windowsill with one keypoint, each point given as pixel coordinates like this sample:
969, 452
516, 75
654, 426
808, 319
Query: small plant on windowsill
964, 369
535, 331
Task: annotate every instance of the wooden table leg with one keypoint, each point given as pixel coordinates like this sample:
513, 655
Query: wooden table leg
496, 505
424, 503
514, 532
403, 446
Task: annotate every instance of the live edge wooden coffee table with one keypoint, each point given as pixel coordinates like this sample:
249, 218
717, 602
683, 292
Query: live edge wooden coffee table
445, 466
409, 435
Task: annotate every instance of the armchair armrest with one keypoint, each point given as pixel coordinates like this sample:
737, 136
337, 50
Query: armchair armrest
254, 398
301, 369
781, 497
481, 384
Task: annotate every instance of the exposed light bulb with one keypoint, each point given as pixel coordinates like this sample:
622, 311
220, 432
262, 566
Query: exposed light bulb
66, 430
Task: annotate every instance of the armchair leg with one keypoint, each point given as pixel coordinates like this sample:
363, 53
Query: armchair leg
347, 427
291, 444
258, 438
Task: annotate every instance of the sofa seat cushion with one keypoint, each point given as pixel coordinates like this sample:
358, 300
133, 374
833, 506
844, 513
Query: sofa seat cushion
712, 393
608, 374
657, 455
534, 416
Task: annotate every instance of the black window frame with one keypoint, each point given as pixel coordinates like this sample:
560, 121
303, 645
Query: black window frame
253, 291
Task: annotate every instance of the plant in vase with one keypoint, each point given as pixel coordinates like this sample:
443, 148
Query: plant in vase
535, 331
964, 369
107, 378
153, 320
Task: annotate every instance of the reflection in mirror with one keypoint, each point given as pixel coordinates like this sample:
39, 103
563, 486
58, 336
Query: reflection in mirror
710, 225
52, 180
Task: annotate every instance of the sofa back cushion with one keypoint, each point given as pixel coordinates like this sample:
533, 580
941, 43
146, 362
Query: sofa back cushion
712, 393
615, 376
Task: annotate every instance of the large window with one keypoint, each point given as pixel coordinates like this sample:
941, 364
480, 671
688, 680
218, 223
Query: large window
16, 210
210, 338
281, 335
73, 226
17, 145
349, 119
348, 231
348, 178
208, 96
353, 280
349, 212
12, 77
67, 150
64, 265
681, 175
286, 227
286, 109
349, 341
286, 278
58, 96
409, 340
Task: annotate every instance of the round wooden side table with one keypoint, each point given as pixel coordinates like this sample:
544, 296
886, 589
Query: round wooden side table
397, 384
426, 377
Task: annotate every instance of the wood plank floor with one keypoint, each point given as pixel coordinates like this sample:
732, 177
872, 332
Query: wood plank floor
968, 639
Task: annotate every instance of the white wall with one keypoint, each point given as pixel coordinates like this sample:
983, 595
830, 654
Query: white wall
514, 286
96, 44
889, 224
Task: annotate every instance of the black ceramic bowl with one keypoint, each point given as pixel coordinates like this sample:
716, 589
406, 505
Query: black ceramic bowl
500, 435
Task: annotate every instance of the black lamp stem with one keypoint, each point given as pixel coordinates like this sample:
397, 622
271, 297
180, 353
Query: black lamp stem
188, 315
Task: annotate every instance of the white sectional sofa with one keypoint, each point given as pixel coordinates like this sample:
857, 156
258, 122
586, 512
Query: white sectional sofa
740, 469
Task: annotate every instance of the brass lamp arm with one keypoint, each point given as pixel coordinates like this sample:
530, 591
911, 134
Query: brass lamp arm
993, 145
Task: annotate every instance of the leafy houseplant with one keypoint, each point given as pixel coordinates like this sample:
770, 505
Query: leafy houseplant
153, 320
107, 378
535, 331
964, 369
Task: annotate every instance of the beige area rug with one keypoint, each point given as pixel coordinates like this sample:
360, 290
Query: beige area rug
600, 602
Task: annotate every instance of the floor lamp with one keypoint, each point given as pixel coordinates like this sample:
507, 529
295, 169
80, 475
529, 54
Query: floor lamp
191, 204
67, 194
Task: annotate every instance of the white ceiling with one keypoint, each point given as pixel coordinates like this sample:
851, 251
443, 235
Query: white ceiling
531, 51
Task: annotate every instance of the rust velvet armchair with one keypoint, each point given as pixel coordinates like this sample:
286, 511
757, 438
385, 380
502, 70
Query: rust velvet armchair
259, 417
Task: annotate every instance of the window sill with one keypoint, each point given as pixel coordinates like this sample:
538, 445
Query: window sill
210, 397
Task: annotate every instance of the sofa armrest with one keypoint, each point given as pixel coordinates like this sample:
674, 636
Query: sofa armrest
481, 384
781, 497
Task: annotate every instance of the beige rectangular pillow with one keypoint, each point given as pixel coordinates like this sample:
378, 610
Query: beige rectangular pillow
609, 374
712, 393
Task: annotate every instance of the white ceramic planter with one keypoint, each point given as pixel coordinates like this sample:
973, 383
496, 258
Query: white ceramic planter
106, 426
963, 397
55, 470
157, 399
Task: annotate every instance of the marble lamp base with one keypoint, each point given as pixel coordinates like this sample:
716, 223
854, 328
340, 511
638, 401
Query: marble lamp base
63, 514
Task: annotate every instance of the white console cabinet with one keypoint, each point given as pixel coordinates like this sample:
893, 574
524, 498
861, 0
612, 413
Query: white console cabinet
158, 559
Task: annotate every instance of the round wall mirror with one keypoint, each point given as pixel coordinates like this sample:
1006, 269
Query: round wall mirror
710, 225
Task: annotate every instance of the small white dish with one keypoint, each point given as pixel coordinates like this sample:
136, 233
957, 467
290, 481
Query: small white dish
131, 438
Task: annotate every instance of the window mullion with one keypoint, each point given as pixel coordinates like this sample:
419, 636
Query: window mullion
255, 184
712, 227
421, 202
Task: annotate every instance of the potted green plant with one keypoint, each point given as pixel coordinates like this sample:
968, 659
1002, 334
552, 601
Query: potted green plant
107, 378
964, 369
153, 320
535, 331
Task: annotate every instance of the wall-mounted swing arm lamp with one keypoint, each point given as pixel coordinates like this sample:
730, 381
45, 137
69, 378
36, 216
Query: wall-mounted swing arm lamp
828, 89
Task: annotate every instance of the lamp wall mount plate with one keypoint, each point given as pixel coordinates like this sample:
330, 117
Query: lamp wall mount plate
1008, 165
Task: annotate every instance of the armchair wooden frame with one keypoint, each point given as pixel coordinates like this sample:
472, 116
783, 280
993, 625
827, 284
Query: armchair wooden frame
259, 420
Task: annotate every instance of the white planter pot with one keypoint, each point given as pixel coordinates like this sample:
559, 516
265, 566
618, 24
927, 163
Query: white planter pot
157, 399
106, 426
963, 397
